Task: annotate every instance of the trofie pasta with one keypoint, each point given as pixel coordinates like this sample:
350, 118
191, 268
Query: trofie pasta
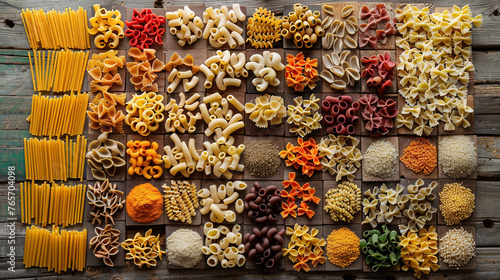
304, 246
382, 205
52, 203
263, 29
144, 160
266, 110
105, 157
143, 250
339, 32
66, 158
264, 67
144, 69
217, 199
145, 112
181, 201
222, 26
420, 251
185, 25
180, 117
175, 76
109, 26
226, 68
342, 72
105, 243
303, 26
56, 250
303, 115
343, 202
340, 156
56, 29
59, 71
67, 117
223, 246
106, 200
301, 72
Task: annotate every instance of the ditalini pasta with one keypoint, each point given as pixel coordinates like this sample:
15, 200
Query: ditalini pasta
223, 246
59, 71
105, 157
266, 110
340, 114
144, 69
226, 68
180, 116
109, 26
185, 25
56, 250
264, 67
145, 112
175, 77
263, 29
303, 26
67, 115
434, 70
222, 26
144, 160
216, 200
181, 201
339, 33
304, 116
51, 160
55, 29
52, 204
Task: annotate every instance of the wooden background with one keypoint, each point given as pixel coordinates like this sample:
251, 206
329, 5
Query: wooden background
15, 101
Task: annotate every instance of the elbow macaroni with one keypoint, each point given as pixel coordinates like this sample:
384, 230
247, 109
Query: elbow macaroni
221, 26
264, 68
185, 25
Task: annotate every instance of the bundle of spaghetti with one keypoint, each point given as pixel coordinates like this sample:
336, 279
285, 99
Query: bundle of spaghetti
57, 250
55, 29
67, 115
58, 71
52, 203
51, 159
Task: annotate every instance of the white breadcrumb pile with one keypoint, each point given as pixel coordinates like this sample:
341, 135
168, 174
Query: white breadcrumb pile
457, 156
457, 247
184, 248
380, 159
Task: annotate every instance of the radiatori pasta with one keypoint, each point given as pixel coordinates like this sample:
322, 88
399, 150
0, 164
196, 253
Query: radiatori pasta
303, 26
223, 246
185, 25
145, 112
109, 25
222, 26
264, 67
226, 68
215, 201
180, 117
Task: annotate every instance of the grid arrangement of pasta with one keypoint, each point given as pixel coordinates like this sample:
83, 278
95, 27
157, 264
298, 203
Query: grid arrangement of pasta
334, 137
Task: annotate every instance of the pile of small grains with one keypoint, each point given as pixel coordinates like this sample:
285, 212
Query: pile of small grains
343, 202
457, 156
456, 203
380, 159
261, 158
457, 247
342, 247
420, 156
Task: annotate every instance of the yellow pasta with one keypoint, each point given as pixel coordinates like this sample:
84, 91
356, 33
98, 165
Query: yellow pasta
58, 251
60, 120
109, 25
181, 201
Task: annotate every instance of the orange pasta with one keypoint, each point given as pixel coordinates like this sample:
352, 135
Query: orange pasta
301, 72
144, 160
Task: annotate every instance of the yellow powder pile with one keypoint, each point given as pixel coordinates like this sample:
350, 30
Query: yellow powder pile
342, 247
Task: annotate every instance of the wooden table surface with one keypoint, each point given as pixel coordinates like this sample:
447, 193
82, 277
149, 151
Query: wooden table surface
15, 101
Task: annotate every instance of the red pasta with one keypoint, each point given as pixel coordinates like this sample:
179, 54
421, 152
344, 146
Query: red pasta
379, 69
145, 29
376, 15
378, 114
340, 114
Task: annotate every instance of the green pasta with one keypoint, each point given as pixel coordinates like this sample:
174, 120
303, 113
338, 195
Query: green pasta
382, 250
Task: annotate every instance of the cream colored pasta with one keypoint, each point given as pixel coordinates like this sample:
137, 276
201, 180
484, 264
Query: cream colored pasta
340, 72
264, 68
265, 110
180, 117
226, 68
223, 246
185, 25
303, 116
340, 164
221, 26
382, 205
219, 212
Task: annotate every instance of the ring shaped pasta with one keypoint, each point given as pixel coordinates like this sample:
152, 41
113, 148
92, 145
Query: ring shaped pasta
143, 116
